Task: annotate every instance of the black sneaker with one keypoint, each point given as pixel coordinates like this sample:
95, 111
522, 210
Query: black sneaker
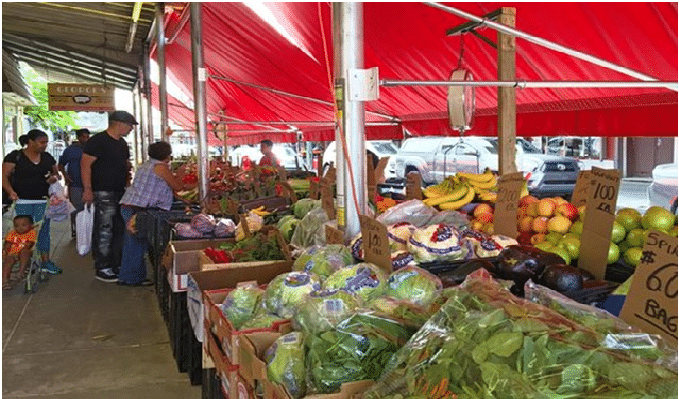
106, 275
143, 283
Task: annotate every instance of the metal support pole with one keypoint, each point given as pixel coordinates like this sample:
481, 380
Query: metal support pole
544, 84
339, 101
162, 73
199, 75
353, 119
137, 129
148, 139
506, 96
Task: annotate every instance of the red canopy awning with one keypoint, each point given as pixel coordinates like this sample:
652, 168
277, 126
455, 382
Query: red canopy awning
408, 41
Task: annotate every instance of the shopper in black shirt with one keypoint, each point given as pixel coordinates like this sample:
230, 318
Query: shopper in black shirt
105, 169
26, 176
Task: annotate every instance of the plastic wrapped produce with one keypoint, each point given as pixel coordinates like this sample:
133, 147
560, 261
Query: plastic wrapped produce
414, 212
398, 235
302, 207
185, 230
436, 242
366, 280
287, 226
203, 223
240, 304
287, 291
310, 230
408, 313
414, 285
487, 343
358, 349
322, 310
323, 260
285, 363
356, 246
261, 320
450, 218
225, 228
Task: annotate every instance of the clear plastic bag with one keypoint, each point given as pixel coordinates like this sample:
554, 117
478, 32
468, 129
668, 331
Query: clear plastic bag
358, 349
288, 290
322, 310
366, 280
323, 260
414, 212
285, 363
225, 228
485, 342
240, 304
414, 285
310, 230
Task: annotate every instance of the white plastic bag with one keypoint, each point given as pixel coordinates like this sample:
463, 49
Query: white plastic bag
60, 208
84, 221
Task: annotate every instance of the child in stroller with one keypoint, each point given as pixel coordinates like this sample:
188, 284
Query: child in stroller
18, 246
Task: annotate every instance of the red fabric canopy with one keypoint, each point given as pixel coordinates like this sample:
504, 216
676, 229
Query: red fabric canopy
407, 41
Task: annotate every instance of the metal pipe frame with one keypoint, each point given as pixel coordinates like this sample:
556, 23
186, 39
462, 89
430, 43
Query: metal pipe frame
200, 112
149, 101
353, 119
298, 123
339, 101
544, 43
162, 72
522, 84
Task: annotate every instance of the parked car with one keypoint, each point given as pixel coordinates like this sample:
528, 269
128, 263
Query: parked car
663, 188
377, 148
438, 157
285, 154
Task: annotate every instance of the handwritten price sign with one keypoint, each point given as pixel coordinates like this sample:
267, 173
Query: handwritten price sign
508, 192
414, 186
600, 215
651, 303
375, 242
581, 190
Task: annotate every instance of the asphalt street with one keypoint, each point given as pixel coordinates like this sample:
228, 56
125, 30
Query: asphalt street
632, 194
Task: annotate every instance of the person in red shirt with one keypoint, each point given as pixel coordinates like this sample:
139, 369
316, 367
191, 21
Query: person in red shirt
269, 159
17, 246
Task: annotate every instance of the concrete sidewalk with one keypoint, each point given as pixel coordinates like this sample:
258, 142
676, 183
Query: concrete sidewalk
80, 338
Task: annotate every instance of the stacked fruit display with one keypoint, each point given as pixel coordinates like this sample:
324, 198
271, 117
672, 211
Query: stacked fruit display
630, 229
461, 189
547, 224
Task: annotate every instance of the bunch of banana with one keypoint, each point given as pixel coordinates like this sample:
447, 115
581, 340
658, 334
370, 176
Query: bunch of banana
484, 181
261, 211
438, 190
467, 196
455, 193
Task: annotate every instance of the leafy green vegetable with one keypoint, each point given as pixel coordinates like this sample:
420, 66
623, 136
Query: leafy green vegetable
323, 310
285, 363
240, 304
414, 285
288, 290
364, 279
486, 343
323, 260
261, 246
310, 230
302, 207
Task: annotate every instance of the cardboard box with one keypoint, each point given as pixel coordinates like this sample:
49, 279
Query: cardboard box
252, 348
225, 332
347, 391
183, 257
225, 278
206, 263
219, 358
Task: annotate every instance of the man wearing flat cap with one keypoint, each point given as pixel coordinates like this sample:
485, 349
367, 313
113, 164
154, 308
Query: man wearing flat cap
105, 167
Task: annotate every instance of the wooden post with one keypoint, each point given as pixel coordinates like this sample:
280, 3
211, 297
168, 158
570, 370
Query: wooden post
506, 96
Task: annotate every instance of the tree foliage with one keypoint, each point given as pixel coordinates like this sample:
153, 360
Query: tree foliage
40, 114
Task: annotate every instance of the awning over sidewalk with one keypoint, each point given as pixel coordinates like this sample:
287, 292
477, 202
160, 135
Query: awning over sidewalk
261, 69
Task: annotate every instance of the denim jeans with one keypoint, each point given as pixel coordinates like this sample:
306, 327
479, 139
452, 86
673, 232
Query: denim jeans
107, 235
132, 267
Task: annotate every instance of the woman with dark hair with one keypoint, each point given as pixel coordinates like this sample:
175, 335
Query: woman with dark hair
26, 176
152, 187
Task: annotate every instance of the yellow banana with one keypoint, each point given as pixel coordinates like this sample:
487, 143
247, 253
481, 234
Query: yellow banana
484, 185
474, 177
451, 205
432, 192
489, 196
458, 192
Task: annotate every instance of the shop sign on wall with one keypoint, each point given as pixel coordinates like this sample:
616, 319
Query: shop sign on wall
80, 97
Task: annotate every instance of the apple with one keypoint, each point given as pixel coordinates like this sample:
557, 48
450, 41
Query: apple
673, 231
546, 207
526, 224
581, 212
476, 225
559, 224
482, 209
527, 200
576, 227
537, 239
623, 246
613, 253
488, 228
629, 221
657, 218
559, 201
540, 224
553, 238
568, 210
618, 234
485, 217
533, 209
524, 238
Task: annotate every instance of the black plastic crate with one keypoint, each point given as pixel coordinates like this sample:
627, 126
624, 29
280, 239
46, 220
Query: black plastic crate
195, 357
212, 388
178, 327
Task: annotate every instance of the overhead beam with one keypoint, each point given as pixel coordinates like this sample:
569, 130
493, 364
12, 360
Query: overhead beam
82, 76
90, 11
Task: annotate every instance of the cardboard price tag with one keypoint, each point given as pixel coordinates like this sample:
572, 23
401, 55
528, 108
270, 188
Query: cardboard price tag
327, 200
379, 170
581, 190
314, 189
372, 183
245, 225
375, 242
509, 191
414, 186
598, 224
333, 235
651, 303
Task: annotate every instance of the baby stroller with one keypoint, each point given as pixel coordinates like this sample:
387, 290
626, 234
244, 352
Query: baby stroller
34, 273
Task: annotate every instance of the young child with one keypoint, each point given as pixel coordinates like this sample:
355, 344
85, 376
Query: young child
18, 245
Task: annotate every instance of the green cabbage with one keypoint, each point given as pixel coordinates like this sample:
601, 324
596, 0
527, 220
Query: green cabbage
261, 320
366, 280
310, 230
240, 304
303, 206
324, 260
284, 220
323, 310
285, 363
414, 285
288, 290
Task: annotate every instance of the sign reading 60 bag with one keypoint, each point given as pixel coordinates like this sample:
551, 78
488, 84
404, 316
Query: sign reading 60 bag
80, 97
